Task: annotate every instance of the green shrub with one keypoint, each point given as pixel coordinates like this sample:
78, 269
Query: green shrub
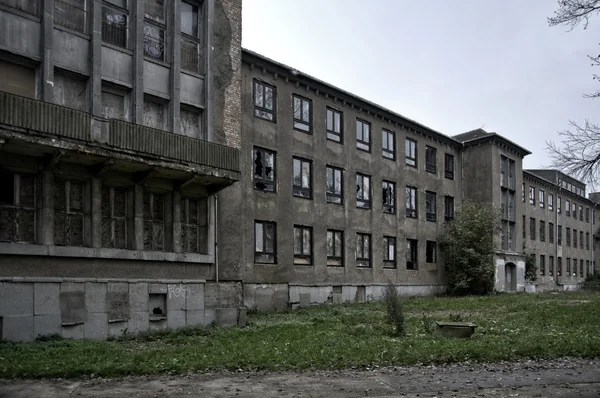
531, 268
592, 281
394, 310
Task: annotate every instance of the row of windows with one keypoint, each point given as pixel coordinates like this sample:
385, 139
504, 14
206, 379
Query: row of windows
265, 247
20, 203
302, 186
265, 108
570, 208
568, 235
75, 15
569, 271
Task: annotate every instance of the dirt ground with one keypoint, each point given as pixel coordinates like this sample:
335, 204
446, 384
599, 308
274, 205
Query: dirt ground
556, 378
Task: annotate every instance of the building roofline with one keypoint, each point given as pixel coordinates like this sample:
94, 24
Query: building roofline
497, 137
291, 73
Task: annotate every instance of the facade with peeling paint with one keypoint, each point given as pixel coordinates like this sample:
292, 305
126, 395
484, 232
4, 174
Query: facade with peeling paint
119, 130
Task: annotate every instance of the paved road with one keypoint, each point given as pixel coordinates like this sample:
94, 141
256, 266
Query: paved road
556, 378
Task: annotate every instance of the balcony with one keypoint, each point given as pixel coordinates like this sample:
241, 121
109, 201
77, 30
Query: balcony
42, 122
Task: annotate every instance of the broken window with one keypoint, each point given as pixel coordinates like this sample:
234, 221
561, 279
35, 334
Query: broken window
542, 231
302, 245
71, 14
264, 100
302, 180
154, 221
430, 206
410, 147
264, 170
430, 159
449, 166
265, 239
363, 250
542, 265
335, 248
431, 252
17, 207
363, 191
68, 213
532, 195
388, 194
334, 185
302, 113
532, 228
558, 266
114, 26
551, 266
157, 307
388, 144
194, 225
363, 135
389, 252
114, 217
550, 233
411, 202
411, 254
448, 208
334, 125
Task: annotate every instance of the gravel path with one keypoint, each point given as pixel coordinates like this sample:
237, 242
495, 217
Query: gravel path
565, 377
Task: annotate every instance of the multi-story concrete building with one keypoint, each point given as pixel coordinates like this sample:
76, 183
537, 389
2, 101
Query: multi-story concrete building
341, 196
119, 124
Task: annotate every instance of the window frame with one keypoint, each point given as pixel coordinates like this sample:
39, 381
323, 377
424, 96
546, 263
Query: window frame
333, 258
550, 202
542, 231
431, 215
18, 209
389, 242
559, 235
532, 195
361, 259
542, 265
363, 144
430, 159
542, 198
259, 110
532, 228
303, 258
448, 216
387, 207
412, 207
431, 252
366, 203
386, 152
330, 196
153, 222
113, 219
410, 146
412, 254
186, 222
331, 134
115, 9
297, 122
270, 186
263, 251
299, 191
550, 232
448, 171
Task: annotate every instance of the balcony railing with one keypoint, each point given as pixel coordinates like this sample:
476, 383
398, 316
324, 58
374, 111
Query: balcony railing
44, 117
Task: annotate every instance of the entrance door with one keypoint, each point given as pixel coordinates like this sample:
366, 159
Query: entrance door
510, 277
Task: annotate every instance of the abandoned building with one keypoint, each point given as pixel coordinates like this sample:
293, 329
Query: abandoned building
154, 175
119, 126
347, 196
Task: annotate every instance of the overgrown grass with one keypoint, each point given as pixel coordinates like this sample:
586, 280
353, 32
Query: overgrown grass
509, 326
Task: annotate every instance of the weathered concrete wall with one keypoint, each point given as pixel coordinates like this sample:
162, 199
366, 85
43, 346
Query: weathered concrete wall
102, 308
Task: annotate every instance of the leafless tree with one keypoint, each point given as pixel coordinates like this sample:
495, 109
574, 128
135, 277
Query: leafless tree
579, 154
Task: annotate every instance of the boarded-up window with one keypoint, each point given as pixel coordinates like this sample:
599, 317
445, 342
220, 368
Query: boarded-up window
17, 79
17, 208
114, 217
190, 123
154, 221
155, 115
114, 106
194, 225
68, 213
70, 91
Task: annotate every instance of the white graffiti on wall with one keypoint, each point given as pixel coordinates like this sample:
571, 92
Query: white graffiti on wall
179, 291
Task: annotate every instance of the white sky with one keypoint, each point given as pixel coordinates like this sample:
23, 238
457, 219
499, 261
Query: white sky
451, 65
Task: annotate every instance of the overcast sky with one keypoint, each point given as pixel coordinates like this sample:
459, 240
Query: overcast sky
451, 65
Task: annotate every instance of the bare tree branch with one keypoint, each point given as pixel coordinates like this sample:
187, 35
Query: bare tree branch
574, 12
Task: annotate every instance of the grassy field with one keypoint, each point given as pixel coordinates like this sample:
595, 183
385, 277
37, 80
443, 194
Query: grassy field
509, 326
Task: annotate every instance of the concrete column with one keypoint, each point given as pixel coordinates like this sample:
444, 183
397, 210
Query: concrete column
96, 212
48, 208
174, 29
176, 221
209, 9
138, 212
137, 28
96, 61
47, 67
211, 225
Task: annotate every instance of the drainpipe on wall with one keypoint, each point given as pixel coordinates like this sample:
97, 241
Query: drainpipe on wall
216, 246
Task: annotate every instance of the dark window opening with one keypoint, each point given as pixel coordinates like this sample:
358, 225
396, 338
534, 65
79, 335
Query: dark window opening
363, 191
430, 159
302, 180
388, 194
411, 254
449, 166
363, 250
302, 245
389, 252
411, 202
430, 206
448, 208
264, 170
265, 239
334, 185
431, 252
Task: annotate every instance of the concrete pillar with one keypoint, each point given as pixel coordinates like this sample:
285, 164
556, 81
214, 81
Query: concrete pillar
48, 208
176, 221
96, 212
174, 29
209, 9
137, 28
47, 67
96, 61
138, 217
211, 225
